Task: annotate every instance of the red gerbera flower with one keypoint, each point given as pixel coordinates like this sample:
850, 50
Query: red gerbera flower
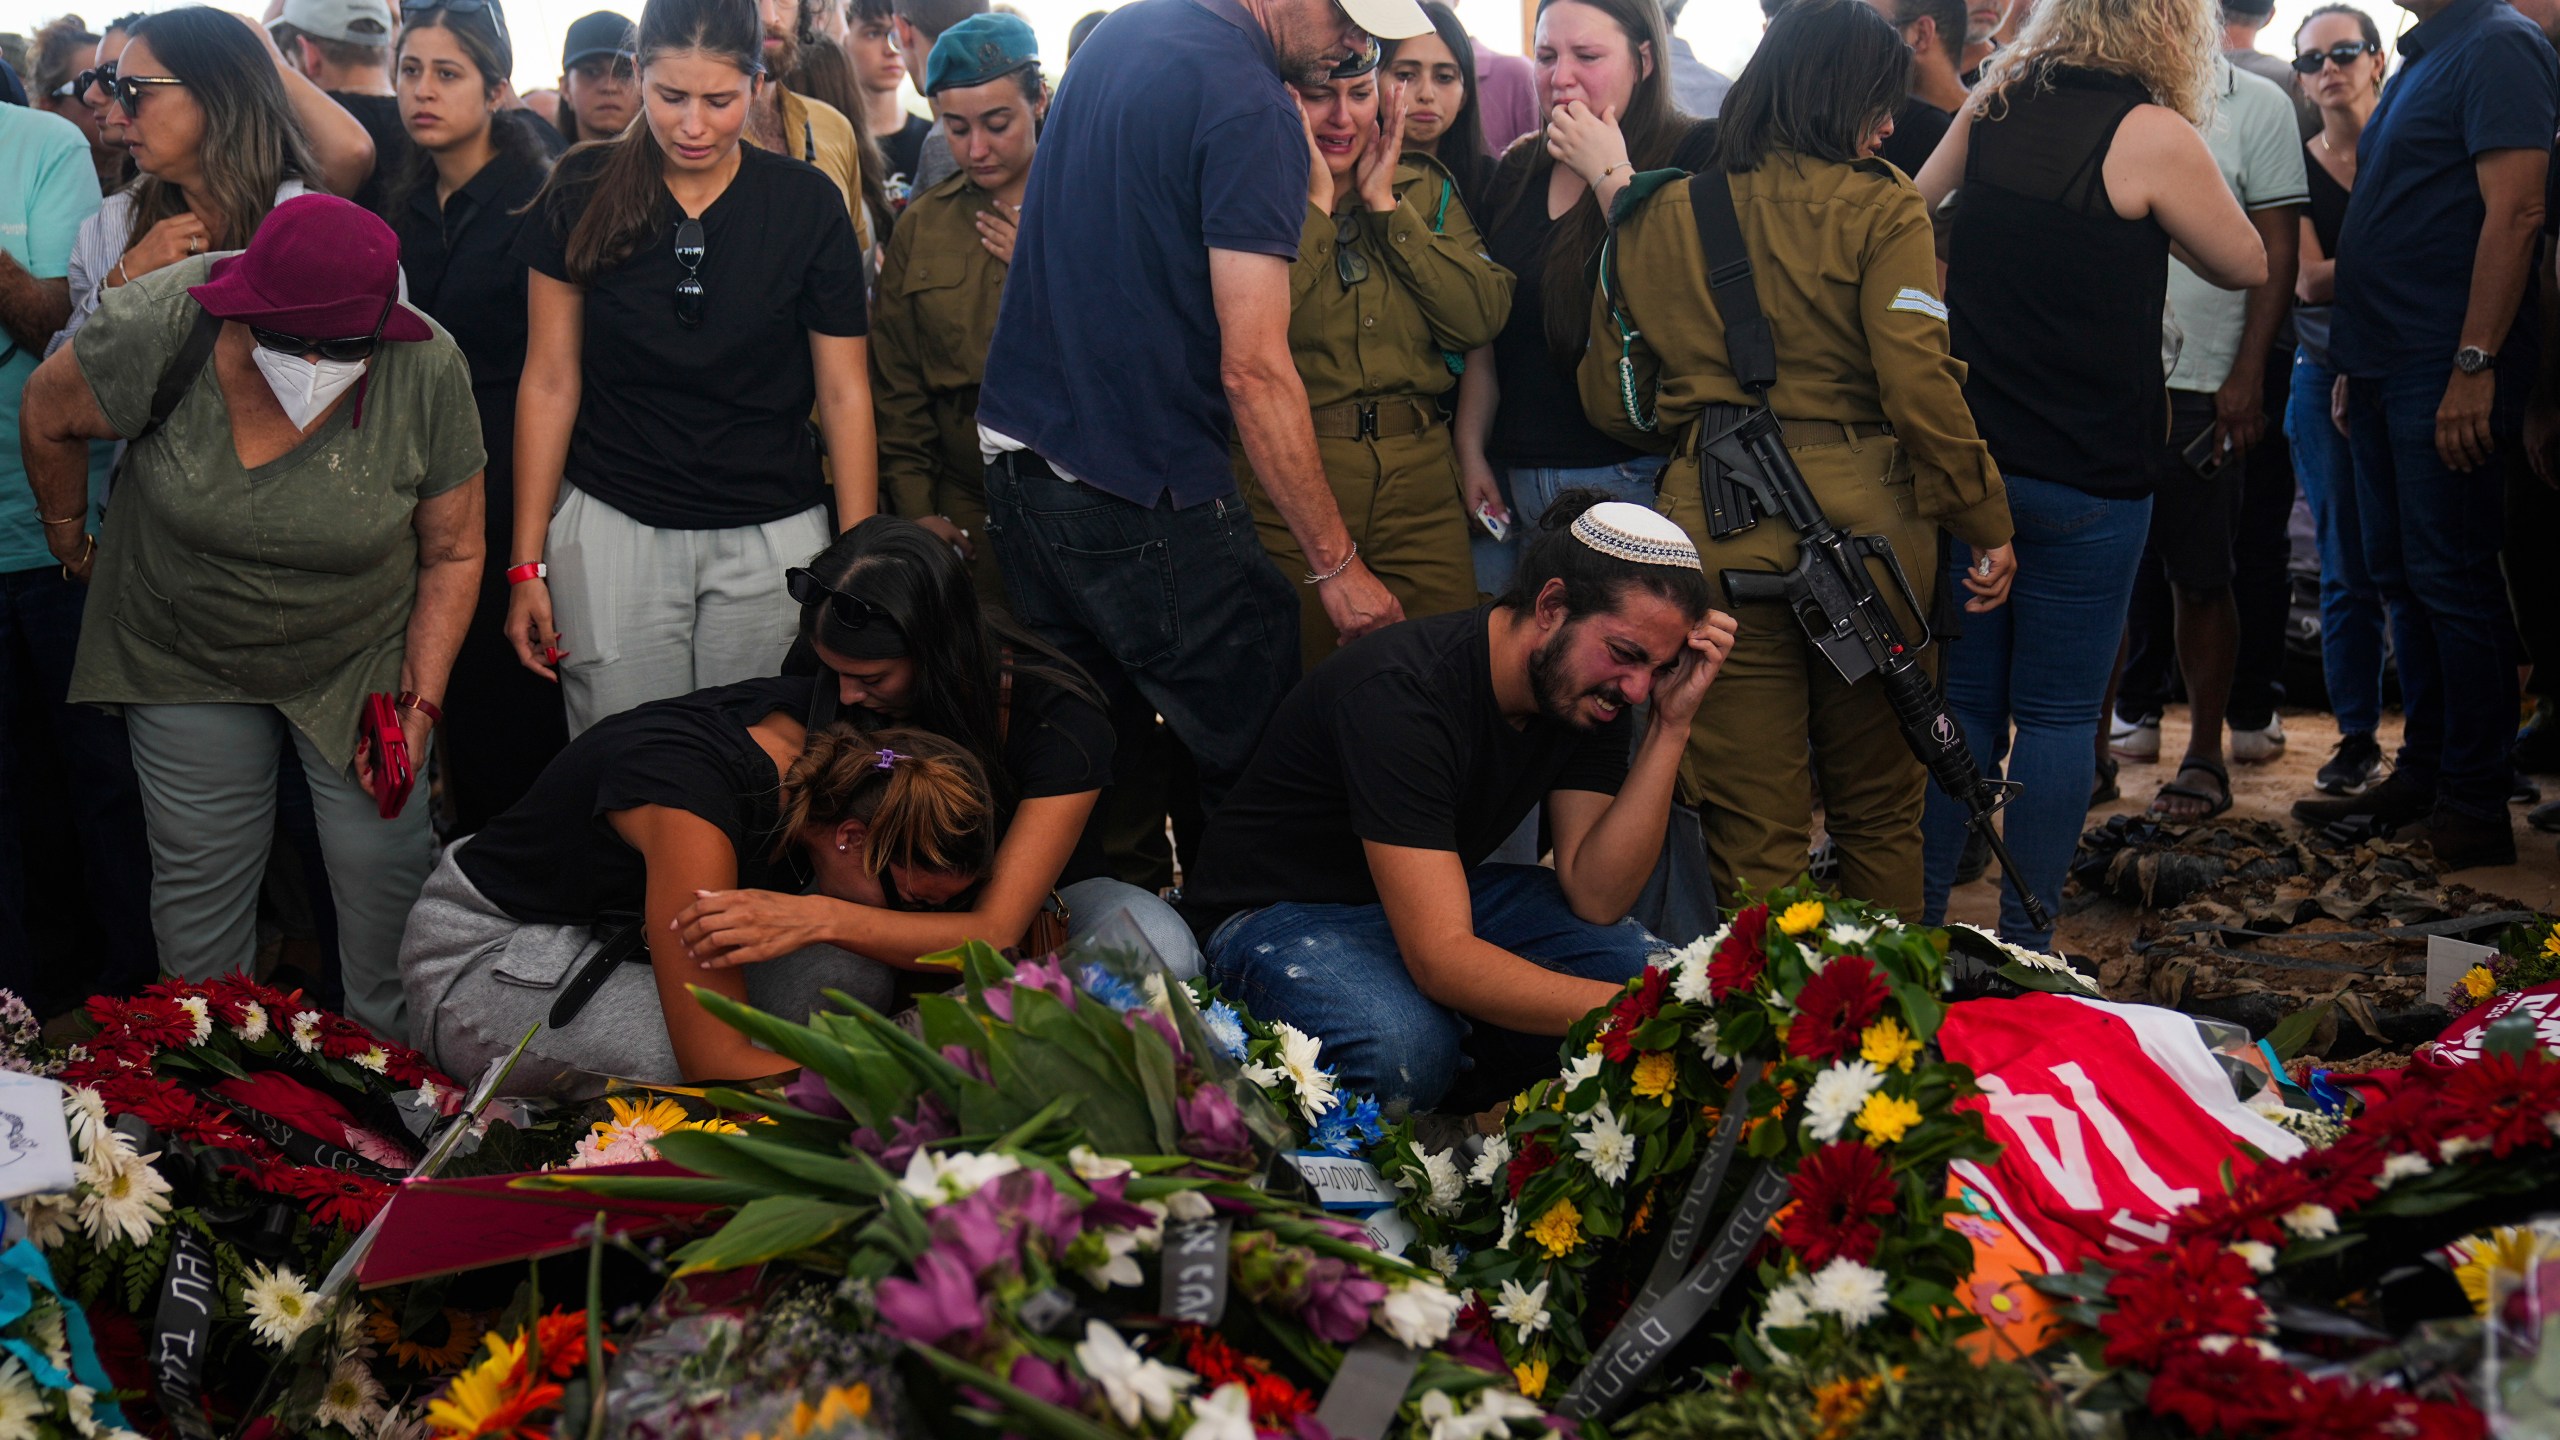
1835, 1006
2174, 1296
1837, 1189
1736, 964
1629, 1011
333, 1198
149, 1020
2226, 1394
2502, 1099
1535, 1155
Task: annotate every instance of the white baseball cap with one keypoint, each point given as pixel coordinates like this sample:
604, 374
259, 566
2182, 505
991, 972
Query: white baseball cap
358, 22
1388, 19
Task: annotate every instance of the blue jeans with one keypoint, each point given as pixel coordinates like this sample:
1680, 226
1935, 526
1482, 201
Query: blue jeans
2350, 606
1529, 490
2040, 663
1173, 612
39, 634
1334, 971
2431, 541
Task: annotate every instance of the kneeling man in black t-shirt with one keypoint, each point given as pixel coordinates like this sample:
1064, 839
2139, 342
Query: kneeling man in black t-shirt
1342, 886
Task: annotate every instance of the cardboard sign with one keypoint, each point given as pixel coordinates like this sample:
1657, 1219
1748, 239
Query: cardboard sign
35, 1145
2448, 960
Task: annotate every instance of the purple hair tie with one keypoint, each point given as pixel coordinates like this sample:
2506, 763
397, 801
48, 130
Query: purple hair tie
888, 759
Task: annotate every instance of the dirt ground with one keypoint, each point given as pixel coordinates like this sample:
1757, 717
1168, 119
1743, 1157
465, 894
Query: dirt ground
2102, 928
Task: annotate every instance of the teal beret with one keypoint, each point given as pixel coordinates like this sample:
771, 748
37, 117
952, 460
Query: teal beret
980, 49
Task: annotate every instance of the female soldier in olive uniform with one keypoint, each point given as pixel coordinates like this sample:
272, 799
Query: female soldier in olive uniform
941, 282
1390, 283
1874, 414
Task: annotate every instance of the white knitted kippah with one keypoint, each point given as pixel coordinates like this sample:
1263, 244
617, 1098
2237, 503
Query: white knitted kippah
1632, 532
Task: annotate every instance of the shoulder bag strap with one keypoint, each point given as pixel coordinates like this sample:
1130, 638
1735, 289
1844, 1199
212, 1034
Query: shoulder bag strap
183, 369
1750, 345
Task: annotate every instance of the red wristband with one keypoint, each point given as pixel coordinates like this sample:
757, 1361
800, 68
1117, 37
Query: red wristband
534, 570
412, 700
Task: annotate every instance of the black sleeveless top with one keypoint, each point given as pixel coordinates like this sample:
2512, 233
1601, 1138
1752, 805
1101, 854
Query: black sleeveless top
2328, 217
2054, 300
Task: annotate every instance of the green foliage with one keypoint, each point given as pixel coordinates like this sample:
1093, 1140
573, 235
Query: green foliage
1939, 1394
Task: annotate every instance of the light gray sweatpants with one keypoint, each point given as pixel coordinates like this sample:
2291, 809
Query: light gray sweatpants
208, 776
647, 614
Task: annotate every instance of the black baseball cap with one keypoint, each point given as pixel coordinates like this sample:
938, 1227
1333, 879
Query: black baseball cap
602, 33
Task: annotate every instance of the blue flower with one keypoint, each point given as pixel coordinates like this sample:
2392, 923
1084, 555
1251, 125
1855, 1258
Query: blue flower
1226, 1028
1348, 1128
1108, 988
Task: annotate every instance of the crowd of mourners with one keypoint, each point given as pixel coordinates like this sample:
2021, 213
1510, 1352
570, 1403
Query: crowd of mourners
705, 525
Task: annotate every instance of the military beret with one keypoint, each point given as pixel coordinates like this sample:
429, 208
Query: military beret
978, 50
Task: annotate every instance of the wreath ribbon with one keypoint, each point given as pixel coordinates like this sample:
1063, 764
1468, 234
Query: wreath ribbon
22, 1268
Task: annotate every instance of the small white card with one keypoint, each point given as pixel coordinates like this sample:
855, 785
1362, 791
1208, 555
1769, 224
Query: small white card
1344, 1184
2448, 961
1390, 1232
35, 1144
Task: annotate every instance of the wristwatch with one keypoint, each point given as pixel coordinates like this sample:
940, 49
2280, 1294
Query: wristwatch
2472, 360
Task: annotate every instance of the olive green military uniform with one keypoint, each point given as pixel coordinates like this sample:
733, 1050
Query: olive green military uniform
1875, 417
1372, 355
931, 321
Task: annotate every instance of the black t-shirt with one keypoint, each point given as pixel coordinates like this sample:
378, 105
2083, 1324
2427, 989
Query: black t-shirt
1396, 738
1540, 422
905, 148
380, 117
707, 428
553, 859
1917, 128
460, 261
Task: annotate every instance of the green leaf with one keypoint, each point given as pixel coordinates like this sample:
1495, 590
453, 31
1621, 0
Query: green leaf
927, 1063
2294, 1031
1049, 1114
1155, 1071
822, 1130
861, 1090
683, 1189
710, 1152
767, 1229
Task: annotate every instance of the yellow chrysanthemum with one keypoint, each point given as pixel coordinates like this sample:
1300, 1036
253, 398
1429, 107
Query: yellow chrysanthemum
1559, 1231
479, 1393
2513, 1251
1885, 1118
1888, 1045
2551, 943
1841, 1404
1532, 1375
2479, 983
1657, 1075
1801, 917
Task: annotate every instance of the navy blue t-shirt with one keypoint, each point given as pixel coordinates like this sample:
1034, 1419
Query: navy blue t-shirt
2478, 77
1176, 137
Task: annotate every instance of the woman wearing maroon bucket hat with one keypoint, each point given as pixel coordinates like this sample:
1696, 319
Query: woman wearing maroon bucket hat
296, 529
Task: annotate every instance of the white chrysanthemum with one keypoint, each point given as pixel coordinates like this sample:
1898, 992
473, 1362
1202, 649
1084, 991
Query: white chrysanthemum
86, 1111
1848, 936
1836, 1095
49, 1218
1856, 1293
2396, 1168
1585, 1066
1419, 1312
1442, 1259
121, 1195
1436, 1180
1787, 1309
253, 1023
306, 1031
202, 1011
1226, 1415
1130, 1383
351, 1398
1688, 970
2311, 1222
1605, 1145
1490, 1162
1298, 1052
1510, 1227
1526, 1309
22, 1407
938, 1178
280, 1306
2258, 1255
376, 1060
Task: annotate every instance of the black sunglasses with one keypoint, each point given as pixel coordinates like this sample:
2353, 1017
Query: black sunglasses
1349, 265
689, 293
2342, 55
497, 16
358, 347
850, 611
78, 87
127, 90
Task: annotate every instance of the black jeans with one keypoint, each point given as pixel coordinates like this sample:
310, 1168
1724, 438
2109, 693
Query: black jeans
1178, 611
39, 636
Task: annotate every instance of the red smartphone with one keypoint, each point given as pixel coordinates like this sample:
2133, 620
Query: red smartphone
386, 748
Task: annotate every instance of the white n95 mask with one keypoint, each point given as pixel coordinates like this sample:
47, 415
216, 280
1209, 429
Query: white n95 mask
305, 388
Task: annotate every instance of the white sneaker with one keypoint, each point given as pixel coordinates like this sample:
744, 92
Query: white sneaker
2136, 740
2257, 747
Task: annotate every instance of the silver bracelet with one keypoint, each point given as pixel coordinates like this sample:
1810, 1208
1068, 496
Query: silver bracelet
1312, 578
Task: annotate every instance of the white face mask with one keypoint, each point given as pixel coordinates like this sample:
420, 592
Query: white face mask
305, 387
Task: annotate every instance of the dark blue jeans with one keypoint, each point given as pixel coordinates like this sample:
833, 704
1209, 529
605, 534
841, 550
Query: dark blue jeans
2350, 606
1174, 612
2431, 540
1334, 971
2039, 662
39, 635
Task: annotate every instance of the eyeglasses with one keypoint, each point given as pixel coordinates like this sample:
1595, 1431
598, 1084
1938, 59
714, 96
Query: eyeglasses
689, 292
1349, 265
127, 90
354, 348
850, 611
97, 75
2342, 55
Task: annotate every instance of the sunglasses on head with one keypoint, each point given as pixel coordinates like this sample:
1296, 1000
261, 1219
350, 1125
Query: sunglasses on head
850, 611
127, 90
489, 8
357, 347
690, 298
2342, 55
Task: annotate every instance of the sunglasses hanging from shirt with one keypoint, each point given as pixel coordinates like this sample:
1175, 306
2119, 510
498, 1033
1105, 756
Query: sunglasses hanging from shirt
690, 297
2342, 55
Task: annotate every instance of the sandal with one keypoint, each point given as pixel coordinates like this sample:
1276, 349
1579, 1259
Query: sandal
2105, 791
2215, 805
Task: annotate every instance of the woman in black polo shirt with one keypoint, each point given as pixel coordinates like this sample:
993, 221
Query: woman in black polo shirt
692, 299
456, 204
